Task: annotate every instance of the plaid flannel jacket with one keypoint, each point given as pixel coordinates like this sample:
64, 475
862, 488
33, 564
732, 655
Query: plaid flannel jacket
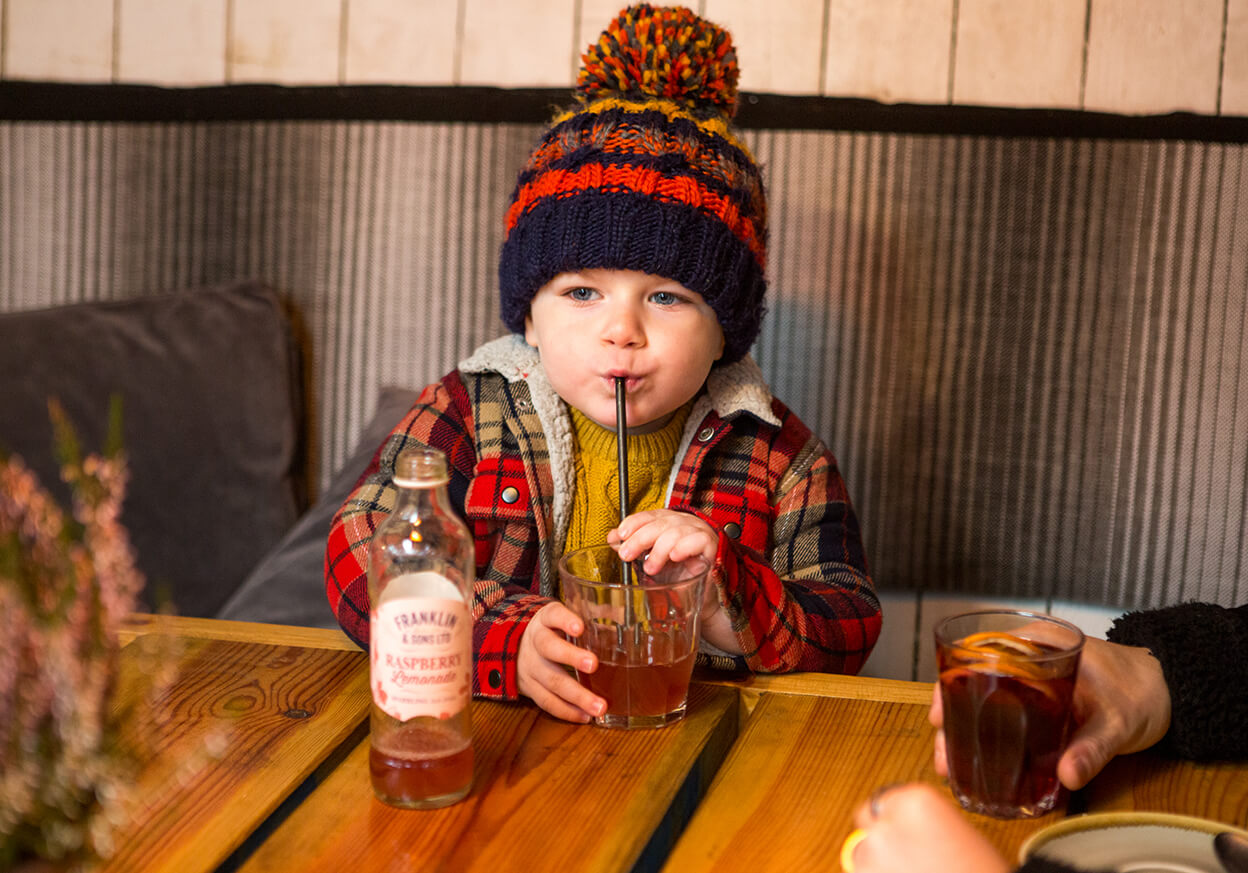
790, 565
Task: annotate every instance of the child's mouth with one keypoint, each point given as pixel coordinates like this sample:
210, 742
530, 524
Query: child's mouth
630, 382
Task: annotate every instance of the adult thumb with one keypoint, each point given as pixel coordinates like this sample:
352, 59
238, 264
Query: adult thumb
1091, 748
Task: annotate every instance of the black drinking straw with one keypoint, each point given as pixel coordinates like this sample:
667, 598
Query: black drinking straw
621, 457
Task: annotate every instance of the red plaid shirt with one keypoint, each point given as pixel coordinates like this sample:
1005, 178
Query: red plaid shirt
790, 564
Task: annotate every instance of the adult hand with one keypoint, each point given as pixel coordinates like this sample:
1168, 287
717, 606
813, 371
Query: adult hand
915, 829
541, 665
1121, 705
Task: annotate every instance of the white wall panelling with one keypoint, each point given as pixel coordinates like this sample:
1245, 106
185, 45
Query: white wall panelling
1140, 56
285, 41
1154, 55
1235, 60
934, 607
891, 50
1019, 52
174, 44
64, 40
518, 44
893, 655
402, 42
779, 43
1095, 621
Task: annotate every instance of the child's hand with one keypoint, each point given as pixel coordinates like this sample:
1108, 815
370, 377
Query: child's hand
667, 535
671, 536
540, 673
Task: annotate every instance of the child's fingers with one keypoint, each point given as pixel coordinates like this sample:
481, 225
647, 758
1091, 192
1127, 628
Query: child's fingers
563, 697
678, 544
558, 617
557, 650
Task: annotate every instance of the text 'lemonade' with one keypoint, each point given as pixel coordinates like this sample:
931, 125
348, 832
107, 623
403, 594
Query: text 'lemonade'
420, 625
1007, 715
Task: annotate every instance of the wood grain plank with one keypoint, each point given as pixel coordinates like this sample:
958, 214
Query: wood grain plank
1150, 782
785, 798
577, 797
237, 729
753, 686
140, 624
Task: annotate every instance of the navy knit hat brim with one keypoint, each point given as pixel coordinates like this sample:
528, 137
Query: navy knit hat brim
627, 231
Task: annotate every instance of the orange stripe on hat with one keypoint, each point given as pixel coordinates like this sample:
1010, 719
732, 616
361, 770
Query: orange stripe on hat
560, 184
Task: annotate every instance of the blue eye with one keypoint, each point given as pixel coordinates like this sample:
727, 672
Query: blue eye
665, 298
581, 295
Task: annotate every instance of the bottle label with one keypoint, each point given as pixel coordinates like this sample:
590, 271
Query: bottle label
421, 656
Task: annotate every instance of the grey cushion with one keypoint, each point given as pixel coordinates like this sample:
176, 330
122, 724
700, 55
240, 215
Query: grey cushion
210, 383
288, 587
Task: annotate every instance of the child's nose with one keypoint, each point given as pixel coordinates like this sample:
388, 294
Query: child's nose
623, 327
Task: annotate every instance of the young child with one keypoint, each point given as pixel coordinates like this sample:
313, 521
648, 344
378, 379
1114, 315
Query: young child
635, 247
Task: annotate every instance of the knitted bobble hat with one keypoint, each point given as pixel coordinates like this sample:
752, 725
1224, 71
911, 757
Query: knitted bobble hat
645, 173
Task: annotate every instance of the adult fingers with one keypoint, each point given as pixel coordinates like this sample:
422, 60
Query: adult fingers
936, 712
940, 756
1090, 749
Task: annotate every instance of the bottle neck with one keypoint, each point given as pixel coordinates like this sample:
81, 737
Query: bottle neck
419, 498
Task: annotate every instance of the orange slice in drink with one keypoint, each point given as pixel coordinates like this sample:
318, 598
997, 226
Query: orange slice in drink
995, 651
999, 643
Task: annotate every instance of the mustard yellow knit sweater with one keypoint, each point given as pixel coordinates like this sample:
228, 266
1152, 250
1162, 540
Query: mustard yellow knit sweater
595, 505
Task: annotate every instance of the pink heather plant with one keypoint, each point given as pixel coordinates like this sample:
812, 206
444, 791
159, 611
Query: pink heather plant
66, 583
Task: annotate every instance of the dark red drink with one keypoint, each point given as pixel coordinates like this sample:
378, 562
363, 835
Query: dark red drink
1006, 722
421, 767
641, 689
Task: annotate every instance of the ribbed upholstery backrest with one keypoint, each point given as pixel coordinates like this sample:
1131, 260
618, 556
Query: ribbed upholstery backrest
1029, 354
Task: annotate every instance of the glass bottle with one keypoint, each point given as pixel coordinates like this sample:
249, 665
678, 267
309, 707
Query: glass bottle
420, 578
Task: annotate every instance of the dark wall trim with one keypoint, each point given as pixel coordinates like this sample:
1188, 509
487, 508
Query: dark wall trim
43, 101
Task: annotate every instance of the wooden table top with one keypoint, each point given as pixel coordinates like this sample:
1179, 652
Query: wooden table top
260, 738
785, 797
547, 795
223, 731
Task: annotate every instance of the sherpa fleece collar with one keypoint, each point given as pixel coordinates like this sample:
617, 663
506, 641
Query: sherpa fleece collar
731, 390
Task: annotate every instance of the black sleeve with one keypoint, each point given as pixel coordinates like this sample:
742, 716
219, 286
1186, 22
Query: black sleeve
1203, 651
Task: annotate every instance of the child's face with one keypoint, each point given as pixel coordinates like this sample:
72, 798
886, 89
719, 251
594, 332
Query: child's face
594, 325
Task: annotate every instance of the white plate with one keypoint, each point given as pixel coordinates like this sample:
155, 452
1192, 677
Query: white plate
1131, 842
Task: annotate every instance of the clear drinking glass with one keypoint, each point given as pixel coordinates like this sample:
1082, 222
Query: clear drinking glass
644, 634
1006, 682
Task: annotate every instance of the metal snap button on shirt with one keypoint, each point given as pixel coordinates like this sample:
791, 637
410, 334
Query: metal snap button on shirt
733, 530
705, 434
510, 494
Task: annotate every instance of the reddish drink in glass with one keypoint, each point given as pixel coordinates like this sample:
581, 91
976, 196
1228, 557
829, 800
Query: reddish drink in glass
1007, 679
421, 766
644, 632
641, 689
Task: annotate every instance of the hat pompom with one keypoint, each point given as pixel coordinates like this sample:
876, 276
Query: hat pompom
669, 53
